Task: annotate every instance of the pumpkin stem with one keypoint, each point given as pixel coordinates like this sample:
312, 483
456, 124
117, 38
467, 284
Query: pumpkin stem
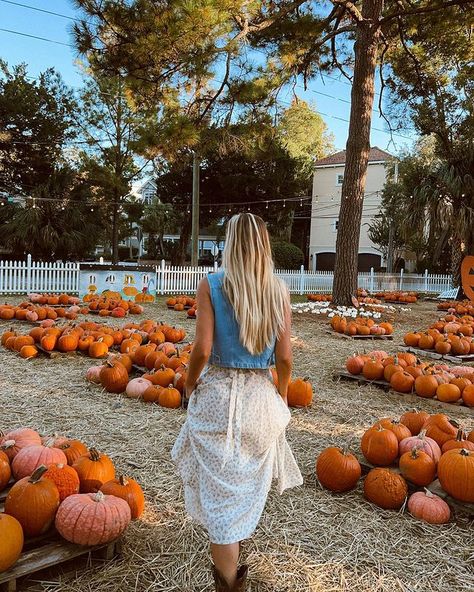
36, 476
414, 452
428, 492
94, 454
460, 435
123, 480
464, 452
422, 435
99, 497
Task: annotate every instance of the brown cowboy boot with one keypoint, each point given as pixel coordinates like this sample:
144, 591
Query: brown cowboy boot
240, 583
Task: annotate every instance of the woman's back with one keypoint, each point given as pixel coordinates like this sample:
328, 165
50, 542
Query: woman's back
227, 349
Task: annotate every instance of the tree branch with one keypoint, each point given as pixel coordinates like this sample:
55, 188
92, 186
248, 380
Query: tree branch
351, 9
424, 10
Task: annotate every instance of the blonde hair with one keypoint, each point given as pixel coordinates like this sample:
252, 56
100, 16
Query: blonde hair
258, 297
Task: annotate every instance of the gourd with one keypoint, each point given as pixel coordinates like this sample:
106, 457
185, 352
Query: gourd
385, 488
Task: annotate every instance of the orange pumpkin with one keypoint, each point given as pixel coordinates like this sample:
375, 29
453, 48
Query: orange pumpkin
300, 393
65, 478
129, 490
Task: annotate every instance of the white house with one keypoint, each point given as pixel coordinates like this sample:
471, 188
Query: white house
326, 201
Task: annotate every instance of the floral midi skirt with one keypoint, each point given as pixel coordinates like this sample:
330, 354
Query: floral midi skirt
230, 448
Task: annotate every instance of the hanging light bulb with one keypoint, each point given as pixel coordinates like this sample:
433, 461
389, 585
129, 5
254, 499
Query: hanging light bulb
301, 203
34, 203
284, 203
266, 207
92, 209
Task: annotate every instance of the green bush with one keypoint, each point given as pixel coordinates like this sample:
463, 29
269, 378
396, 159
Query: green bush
287, 255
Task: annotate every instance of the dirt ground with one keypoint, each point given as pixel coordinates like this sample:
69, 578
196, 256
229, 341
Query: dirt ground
308, 539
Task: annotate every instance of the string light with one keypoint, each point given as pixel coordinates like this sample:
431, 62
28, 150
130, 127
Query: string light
266, 207
284, 203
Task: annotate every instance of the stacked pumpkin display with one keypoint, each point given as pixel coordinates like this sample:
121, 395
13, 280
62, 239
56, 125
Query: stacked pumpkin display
360, 326
60, 482
398, 296
93, 339
34, 313
180, 303
163, 381
422, 446
54, 299
450, 335
464, 307
113, 307
406, 374
319, 297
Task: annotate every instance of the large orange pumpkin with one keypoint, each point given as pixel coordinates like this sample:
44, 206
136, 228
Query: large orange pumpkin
456, 474
379, 446
11, 541
337, 470
33, 501
414, 420
94, 469
5, 471
300, 393
440, 428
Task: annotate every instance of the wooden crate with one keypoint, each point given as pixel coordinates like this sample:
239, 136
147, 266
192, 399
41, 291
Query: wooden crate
52, 553
469, 358
360, 337
410, 397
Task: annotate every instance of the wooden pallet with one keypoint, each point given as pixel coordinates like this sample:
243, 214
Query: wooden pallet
55, 354
435, 487
52, 553
360, 337
410, 397
469, 358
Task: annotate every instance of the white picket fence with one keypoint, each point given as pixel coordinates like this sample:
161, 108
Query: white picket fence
20, 277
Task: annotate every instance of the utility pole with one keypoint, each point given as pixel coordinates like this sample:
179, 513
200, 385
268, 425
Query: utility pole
195, 212
391, 231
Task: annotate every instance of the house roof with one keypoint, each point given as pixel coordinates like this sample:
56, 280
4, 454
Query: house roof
338, 158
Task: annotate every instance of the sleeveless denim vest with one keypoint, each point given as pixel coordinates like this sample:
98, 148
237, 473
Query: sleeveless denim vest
227, 351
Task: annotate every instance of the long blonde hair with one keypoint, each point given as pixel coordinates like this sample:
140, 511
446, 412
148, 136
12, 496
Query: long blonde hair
258, 297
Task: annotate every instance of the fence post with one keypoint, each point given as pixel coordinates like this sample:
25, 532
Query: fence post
401, 280
302, 280
162, 276
215, 266
426, 280
372, 278
28, 273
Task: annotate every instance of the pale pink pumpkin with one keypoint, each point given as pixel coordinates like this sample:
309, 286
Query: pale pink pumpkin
429, 507
17, 439
92, 518
421, 442
136, 387
32, 316
32, 457
93, 374
378, 354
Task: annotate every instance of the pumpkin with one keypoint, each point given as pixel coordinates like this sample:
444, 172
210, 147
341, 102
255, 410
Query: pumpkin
401, 431
402, 382
461, 382
28, 351
373, 370
354, 364
30, 458
92, 518
300, 393
94, 469
379, 446
9, 334
169, 397
426, 386
456, 474
33, 501
459, 442
440, 428
136, 387
11, 541
5, 471
157, 337
65, 478
152, 394
385, 488
129, 490
68, 342
448, 393
390, 369
85, 343
17, 439
124, 359
98, 349
418, 467
337, 470
412, 339
73, 449
22, 340
48, 342
163, 376
468, 395
414, 420
429, 507
114, 376
421, 442
141, 353
93, 374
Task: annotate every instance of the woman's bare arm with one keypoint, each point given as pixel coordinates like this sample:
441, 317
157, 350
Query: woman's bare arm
204, 336
284, 355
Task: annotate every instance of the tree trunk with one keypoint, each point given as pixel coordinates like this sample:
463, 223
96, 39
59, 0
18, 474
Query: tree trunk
457, 255
184, 241
357, 154
115, 225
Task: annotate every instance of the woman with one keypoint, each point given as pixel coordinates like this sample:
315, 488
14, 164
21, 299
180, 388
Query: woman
233, 442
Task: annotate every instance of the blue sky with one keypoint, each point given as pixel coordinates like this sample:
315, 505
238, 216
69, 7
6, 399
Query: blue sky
40, 55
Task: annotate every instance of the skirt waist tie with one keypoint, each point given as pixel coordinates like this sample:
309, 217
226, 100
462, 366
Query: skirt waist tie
235, 410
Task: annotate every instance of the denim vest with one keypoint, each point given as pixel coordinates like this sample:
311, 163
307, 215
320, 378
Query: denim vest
227, 351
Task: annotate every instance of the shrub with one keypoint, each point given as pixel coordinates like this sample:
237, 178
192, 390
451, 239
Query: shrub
287, 255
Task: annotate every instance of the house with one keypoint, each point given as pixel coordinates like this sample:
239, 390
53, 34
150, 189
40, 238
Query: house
144, 191
326, 200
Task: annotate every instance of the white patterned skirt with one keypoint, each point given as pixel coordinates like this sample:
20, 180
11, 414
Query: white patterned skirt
230, 448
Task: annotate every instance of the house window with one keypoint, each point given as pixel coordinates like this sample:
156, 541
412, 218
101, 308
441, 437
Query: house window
335, 225
339, 179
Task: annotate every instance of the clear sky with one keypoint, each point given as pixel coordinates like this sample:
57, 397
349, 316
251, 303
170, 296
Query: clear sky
39, 55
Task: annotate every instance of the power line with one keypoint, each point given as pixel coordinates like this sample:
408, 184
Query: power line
65, 16
36, 37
